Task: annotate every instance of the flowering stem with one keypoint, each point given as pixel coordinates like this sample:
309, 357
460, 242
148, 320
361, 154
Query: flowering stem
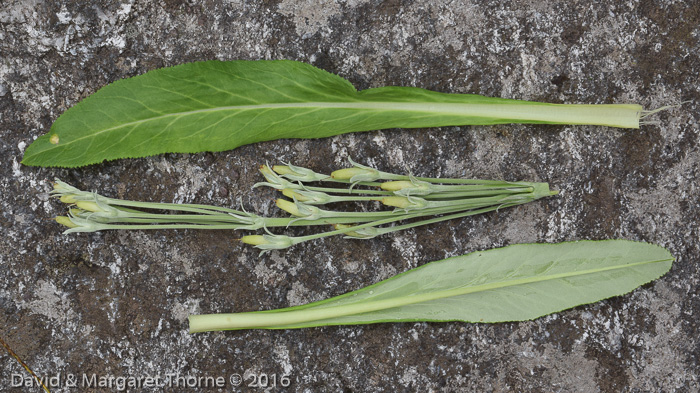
416, 200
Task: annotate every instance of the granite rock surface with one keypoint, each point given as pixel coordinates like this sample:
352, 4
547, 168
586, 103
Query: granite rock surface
115, 304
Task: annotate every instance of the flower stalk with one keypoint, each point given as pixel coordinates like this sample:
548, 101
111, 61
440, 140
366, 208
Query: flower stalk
415, 201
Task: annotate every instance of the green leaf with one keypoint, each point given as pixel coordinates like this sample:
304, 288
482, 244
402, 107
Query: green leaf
216, 106
514, 283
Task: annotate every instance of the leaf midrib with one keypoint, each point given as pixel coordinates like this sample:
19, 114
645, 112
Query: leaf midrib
526, 112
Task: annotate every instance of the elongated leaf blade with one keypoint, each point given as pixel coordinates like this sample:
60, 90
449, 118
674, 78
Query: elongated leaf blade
216, 106
514, 283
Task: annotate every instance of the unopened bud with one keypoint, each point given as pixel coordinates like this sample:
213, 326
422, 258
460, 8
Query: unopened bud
396, 185
406, 187
300, 210
274, 180
289, 193
76, 212
89, 206
254, 240
265, 170
289, 207
283, 170
407, 203
68, 198
268, 242
356, 174
307, 196
297, 173
68, 193
65, 221
99, 210
60, 187
81, 225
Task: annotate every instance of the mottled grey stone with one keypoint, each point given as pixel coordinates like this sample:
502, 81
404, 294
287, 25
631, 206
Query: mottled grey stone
116, 303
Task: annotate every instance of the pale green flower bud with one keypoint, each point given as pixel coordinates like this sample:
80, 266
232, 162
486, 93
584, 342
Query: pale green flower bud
69, 194
254, 240
406, 203
274, 180
82, 225
65, 221
297, 173
407, 187
62, 188
268, 242
68, 199
89, 206
300, 210
289, 193
357, 173
308, 197
99, 209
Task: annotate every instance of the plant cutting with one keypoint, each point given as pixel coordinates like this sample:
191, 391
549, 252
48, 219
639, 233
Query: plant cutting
514, 283
220, 105
413, 201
